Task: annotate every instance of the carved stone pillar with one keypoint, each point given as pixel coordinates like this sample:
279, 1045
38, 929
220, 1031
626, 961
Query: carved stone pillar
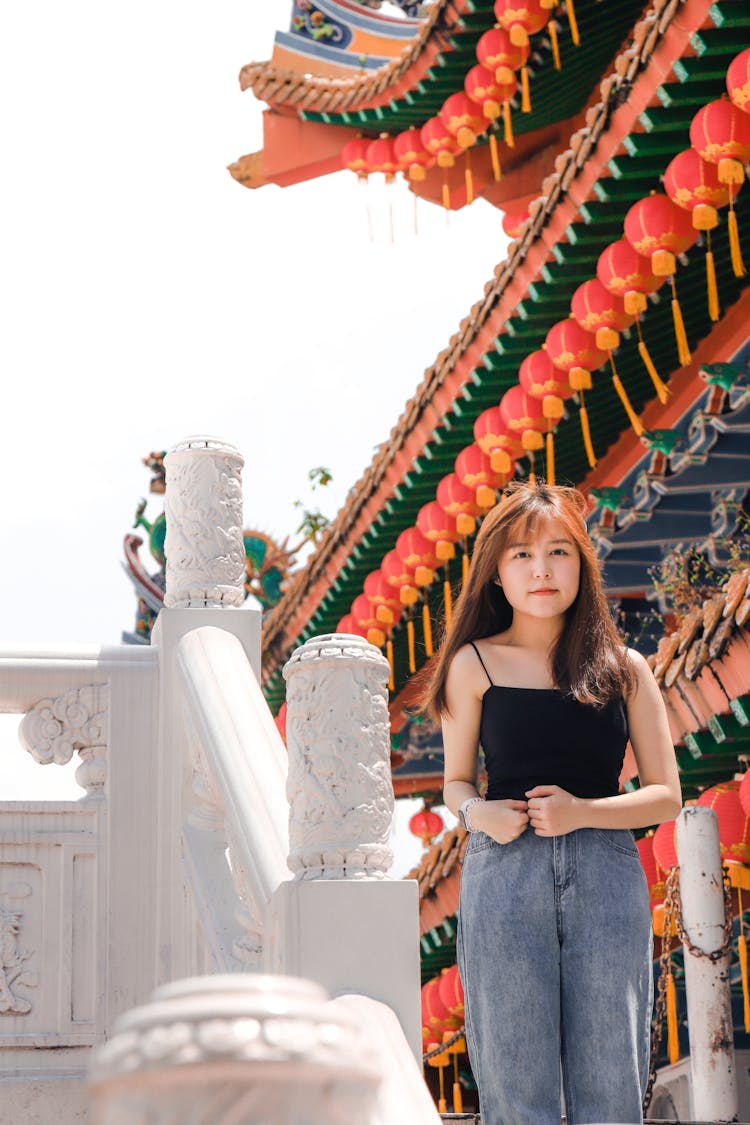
240, 1047
339, 782
204, 548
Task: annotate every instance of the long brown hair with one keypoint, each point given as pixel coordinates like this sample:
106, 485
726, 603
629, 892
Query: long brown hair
588, 657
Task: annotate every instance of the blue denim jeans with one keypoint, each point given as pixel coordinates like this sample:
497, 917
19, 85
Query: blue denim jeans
554, 951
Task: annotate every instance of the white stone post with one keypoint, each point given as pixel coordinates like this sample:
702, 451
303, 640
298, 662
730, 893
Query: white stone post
205, 573
712, 1062
342, 921
235, 1048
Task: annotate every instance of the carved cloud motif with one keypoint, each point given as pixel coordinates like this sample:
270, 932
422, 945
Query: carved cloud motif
56, 728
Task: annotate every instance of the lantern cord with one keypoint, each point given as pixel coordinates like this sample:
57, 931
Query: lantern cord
574, 33
713, 292
525, 92
661, 388
742, 953
448, 602
469, 179
427, 628
550, 458
738, 266
673, 1041
532, 470
495, 158
389, 655
622, 394
586, 431
555, 44
410, 645
683, 351
465, 563
458, 1102
510, 140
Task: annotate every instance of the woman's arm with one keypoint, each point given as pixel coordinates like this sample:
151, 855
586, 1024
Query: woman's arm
503, 820
554, 812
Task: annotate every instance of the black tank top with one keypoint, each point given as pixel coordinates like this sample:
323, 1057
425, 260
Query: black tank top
538, 736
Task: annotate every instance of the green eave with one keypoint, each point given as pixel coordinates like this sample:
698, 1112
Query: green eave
632, 174
555, 95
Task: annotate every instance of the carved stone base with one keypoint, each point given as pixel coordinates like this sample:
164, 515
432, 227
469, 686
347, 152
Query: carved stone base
235, 1048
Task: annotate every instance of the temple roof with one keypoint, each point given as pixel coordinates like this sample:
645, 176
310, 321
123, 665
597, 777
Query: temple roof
639, 121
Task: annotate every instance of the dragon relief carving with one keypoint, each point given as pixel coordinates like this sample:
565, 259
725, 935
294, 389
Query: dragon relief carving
13, 967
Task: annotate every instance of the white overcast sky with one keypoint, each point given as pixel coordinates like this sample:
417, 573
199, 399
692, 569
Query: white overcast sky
146, 295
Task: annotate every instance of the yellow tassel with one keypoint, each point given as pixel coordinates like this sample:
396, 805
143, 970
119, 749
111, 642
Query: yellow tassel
525, 93
673, 1042
586, 431
469, 179
574, 35
713, 291
458, 1101
427, 629
465, 564
550, 458
555, 44
442, 1103
410, 644
683, 351
510, 140
448, 602
446, 196
662, 390
389, 655
734, 242
495, 158
622, 394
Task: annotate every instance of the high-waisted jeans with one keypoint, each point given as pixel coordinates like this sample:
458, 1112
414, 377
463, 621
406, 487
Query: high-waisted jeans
554, 952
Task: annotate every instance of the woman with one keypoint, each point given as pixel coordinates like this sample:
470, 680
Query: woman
554, 936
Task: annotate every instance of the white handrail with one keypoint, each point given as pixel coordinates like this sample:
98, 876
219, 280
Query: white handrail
244, 752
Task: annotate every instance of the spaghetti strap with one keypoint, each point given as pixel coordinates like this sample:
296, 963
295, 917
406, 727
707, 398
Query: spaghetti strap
476, 650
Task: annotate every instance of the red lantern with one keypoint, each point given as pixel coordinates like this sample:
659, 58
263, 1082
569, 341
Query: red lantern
493, 436
439, 528
600, 312
354, 156
413, 157
418, 554
364, 616
462, 119
734, 823
738, 80
382, 597
720, 133
539, 377
436, 1016
426, 824
381, 157
451, 992
659, 229
484, 90
628, 274
656, 885
521, 18
665, 846
574, 350
523, 416
458, 501
693, 184
744, 792
439, 142
474, 469
400, 577
347, 624
514, 223
499, 54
